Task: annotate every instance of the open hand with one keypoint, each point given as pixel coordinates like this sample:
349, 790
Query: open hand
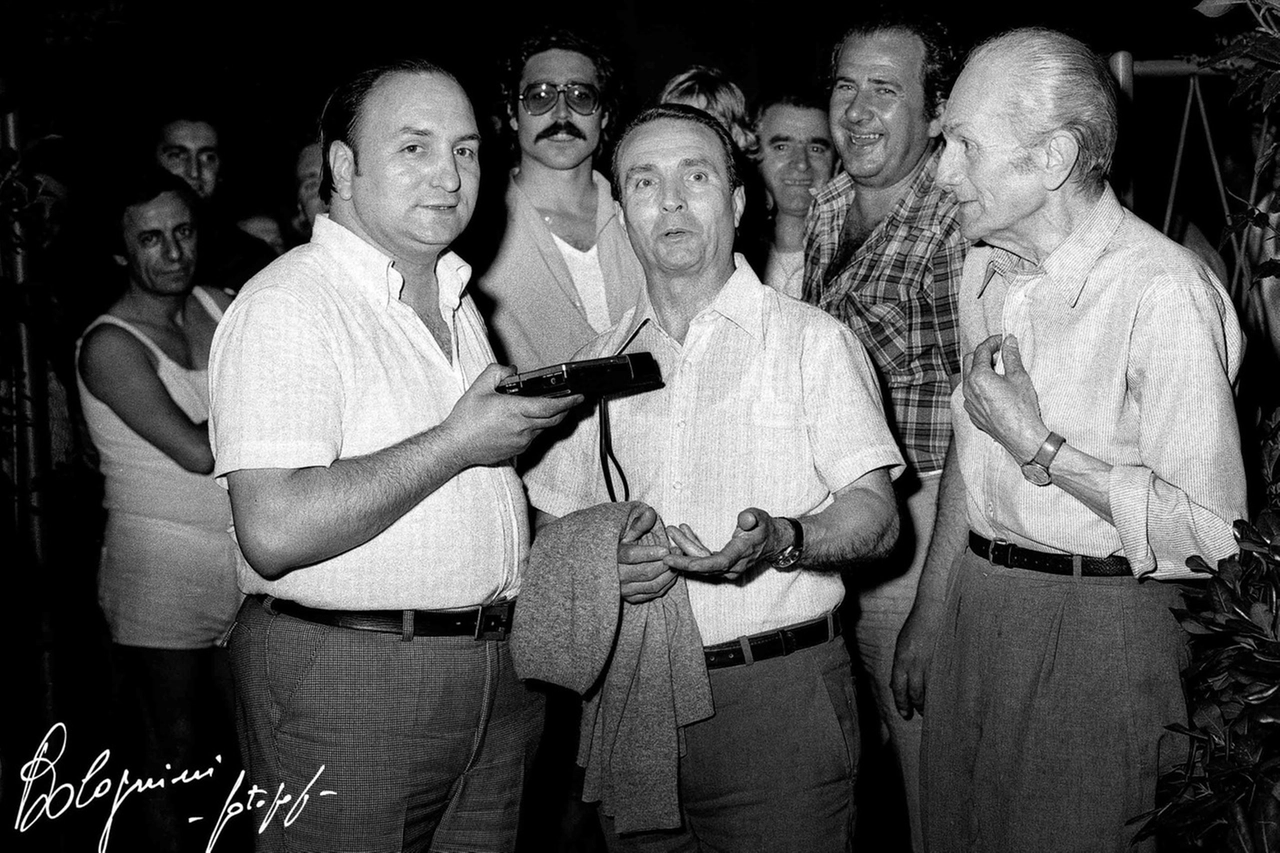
744, 550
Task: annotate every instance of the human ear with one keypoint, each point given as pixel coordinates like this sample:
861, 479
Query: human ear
342, 162
1061, 152
935, 123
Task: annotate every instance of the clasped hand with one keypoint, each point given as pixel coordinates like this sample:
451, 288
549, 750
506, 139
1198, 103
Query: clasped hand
1006, 407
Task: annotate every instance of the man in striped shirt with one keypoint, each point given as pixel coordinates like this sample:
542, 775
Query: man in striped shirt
1095, 444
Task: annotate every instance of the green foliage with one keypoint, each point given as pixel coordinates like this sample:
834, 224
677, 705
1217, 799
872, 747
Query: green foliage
1252, 59
1226, 796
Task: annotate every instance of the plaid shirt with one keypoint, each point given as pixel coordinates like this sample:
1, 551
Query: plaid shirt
898, 294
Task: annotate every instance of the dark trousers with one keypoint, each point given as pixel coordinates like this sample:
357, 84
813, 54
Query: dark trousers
424, 744
174, 715
1046, 707
774, 770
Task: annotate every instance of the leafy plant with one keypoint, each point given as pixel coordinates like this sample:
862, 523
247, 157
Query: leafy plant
1226, 796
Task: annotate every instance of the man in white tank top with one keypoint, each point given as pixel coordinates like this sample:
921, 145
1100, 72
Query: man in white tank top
167, 579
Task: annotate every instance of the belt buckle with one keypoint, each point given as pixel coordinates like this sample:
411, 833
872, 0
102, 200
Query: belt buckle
1000, 553
492, 621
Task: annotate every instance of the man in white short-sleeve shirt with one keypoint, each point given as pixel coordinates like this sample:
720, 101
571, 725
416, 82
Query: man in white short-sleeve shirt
381, 524
768, 455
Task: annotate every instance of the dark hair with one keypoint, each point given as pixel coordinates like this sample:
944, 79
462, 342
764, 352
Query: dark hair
344, 109
805, 99
196, 111
680, 112
139, 186
940, 64
1060, 84
557, 38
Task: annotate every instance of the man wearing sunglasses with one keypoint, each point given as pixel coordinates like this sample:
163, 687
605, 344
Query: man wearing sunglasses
564, 271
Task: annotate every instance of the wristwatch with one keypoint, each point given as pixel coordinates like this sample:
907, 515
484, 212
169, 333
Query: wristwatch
790, 555
1036, 471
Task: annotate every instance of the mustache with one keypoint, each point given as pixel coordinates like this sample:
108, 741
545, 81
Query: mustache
561, 127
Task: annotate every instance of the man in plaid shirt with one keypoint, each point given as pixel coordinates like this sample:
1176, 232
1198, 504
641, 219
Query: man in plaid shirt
883, 253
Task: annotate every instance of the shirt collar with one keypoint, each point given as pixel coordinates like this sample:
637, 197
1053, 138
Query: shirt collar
740, 301
374, 272
1067, 267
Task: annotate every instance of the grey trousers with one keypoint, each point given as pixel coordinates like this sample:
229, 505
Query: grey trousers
1045, 713
424, 744
774, 770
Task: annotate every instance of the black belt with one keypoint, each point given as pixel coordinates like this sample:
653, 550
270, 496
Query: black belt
487, 622
773, 644
1006, 554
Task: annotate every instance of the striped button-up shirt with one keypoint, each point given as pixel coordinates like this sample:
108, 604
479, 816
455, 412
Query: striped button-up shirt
897, 292
318, 360
1132, 346
767, 403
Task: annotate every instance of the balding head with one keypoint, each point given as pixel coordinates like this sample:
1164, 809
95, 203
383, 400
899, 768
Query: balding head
1057, 84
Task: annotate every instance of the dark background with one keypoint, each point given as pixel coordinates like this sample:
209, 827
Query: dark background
96, 74
99, 72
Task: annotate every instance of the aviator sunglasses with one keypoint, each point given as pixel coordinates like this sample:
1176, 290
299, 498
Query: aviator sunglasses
539, 98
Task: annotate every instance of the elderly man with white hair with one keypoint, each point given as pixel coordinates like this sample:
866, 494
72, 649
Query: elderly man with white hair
1095, 445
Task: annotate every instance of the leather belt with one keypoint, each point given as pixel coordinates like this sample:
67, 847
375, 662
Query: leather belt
1007, 554
773, 644
487, 622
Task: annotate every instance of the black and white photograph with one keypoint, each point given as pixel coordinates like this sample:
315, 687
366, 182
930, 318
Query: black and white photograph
635, 428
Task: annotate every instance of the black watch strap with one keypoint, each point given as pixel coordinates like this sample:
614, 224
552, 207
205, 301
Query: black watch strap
790, 555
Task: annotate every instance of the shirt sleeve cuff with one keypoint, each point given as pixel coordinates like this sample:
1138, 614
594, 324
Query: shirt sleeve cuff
1128, 490
267, 455
845, 471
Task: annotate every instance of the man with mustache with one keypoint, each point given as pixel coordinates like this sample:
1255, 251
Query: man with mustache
884, 253
564, 271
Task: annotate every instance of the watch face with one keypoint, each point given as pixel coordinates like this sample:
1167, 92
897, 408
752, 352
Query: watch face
788, 557
1036, 474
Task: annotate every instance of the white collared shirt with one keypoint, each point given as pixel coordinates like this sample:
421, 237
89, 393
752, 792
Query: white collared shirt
768, 403
1132, 346
319, 360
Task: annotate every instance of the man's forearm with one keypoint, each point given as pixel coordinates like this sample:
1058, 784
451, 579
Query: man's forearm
950, 535
286, 519
861, 524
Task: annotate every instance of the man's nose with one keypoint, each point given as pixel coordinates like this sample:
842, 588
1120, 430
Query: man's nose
672, 196
173, 248
858, 105
444, 173
561, 109
801, 160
